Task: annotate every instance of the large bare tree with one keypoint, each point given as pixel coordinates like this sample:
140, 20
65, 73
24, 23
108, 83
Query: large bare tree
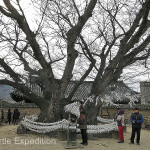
123, 40
33, 51
68, 40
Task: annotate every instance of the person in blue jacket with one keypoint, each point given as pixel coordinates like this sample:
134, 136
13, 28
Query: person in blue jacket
136, 120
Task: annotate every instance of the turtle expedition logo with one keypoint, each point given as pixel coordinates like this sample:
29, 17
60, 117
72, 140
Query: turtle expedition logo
26, 141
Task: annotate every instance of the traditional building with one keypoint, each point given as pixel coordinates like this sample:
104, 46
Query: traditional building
145, 92
119, 93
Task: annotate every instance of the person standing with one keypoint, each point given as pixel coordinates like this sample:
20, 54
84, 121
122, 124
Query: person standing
8, 116
16, 115
13, 116
120, 123
2, 116
83, 124
136, 120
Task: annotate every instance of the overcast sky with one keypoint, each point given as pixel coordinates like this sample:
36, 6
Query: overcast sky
132, 82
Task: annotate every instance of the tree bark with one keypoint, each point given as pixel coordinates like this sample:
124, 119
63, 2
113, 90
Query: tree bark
53, 112
92, 107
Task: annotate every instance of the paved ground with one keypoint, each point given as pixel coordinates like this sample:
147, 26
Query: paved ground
9, 140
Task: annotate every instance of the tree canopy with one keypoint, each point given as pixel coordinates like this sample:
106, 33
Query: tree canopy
59, 41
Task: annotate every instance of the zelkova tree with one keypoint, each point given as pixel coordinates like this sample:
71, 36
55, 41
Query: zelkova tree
123, 34
33, 50
71, 40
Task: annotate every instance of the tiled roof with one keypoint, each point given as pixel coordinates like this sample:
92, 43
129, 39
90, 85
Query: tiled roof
119, 92
82, 92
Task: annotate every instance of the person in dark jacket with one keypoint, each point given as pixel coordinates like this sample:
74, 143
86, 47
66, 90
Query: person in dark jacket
16, 115
83, 124
9, 116
136, 120
2, 116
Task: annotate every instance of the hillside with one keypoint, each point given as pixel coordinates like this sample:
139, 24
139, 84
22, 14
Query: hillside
5, 91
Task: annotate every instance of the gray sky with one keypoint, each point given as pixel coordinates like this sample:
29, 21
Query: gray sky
130, 76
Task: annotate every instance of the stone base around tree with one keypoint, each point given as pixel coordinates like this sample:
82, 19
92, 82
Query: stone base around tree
62, 135
21, 129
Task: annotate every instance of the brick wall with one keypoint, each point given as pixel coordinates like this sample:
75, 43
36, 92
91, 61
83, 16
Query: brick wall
112, 112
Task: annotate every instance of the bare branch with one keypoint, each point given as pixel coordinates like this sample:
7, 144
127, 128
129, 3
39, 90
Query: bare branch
9, 71
31, 38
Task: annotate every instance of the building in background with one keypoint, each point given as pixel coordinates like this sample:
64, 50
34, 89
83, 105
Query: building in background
119, 93
145, 92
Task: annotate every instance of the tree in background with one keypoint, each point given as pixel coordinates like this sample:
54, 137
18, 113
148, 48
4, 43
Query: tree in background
71, 40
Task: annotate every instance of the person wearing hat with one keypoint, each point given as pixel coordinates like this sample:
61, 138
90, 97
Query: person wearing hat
136, 120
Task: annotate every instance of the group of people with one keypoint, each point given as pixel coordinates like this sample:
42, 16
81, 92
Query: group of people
136, 120
14, 117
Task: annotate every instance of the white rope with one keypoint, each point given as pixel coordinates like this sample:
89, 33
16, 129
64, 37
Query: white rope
63, 125
33, 117
73, 108
44, 127
64, 121
93, 129
105, 120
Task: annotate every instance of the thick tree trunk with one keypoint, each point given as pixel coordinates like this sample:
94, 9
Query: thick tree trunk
50, 114
94, 103
54, 111
92, 107
92, 114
